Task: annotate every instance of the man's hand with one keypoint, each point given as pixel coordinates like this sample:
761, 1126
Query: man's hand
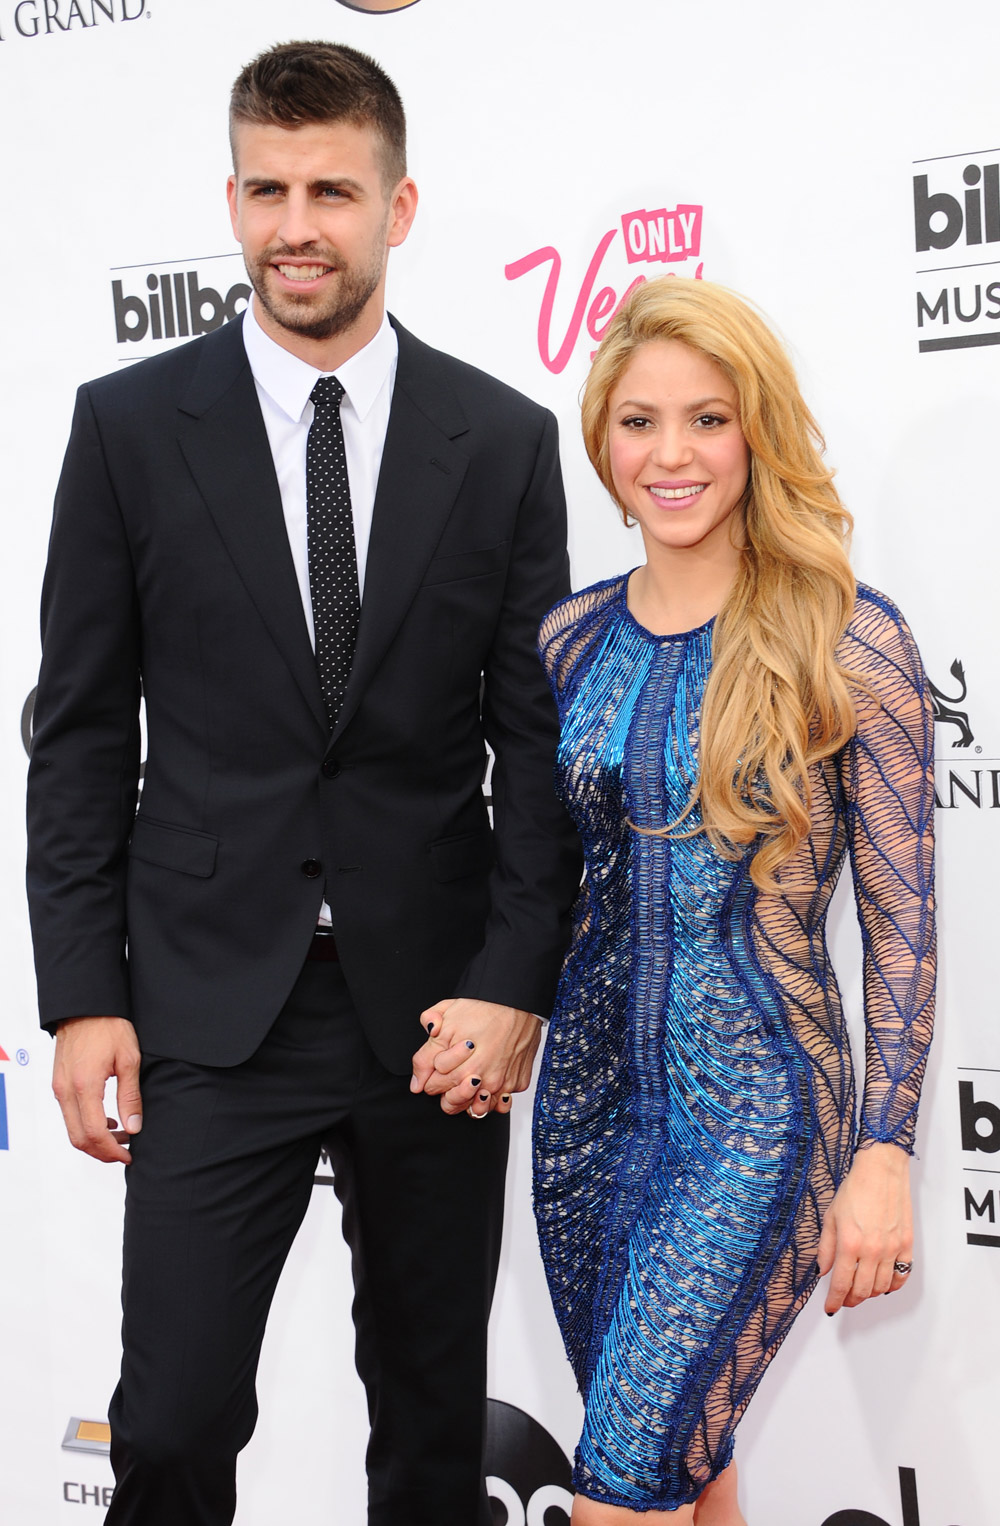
88, 1051
476, 1055
868, 1228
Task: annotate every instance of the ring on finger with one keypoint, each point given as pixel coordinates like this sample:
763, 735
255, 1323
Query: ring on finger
902, 1268
478, 1116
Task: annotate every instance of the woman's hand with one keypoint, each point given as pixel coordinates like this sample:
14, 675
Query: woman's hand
868, 1228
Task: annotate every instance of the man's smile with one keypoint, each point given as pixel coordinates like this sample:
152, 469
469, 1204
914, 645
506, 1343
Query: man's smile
302, 272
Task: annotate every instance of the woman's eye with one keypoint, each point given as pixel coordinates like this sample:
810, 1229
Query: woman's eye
710, 420
635, 421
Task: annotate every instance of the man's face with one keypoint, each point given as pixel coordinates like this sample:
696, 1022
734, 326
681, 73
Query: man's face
316, 221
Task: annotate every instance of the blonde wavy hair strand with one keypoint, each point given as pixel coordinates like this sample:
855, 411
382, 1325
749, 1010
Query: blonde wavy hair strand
777, 699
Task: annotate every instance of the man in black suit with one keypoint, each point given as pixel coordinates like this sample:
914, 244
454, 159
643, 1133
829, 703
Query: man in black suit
328, 592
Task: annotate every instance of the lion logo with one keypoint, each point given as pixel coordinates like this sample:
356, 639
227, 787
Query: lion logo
945, 706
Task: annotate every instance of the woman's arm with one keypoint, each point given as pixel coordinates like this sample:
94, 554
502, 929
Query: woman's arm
888, 789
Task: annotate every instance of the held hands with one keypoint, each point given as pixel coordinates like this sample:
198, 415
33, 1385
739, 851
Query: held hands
88, 1051
868, 1228
476, 1055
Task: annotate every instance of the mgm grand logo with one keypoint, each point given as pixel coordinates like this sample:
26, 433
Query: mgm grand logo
946, 711
957, 784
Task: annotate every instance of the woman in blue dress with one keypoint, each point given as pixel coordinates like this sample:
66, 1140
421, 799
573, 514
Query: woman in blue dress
738, 715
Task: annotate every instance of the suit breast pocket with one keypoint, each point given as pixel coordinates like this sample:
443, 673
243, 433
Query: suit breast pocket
179, 848
459, 565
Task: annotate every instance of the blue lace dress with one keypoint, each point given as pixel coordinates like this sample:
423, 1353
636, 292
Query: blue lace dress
696, 1106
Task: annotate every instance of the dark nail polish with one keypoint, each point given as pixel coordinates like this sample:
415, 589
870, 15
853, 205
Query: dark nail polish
505, 1098
484, 1096
477, 1081
816, 1271
470, 1043
830, 1313
430, 1027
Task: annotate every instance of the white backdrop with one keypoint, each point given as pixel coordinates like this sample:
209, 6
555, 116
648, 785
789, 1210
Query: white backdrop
791, 143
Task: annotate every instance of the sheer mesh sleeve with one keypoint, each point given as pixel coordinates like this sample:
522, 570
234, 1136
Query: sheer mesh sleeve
570, 628
888, 784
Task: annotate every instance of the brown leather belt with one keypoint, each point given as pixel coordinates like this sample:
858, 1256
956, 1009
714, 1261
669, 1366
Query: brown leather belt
323, 948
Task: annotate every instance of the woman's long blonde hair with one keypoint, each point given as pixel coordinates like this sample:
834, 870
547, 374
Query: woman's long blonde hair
777, 699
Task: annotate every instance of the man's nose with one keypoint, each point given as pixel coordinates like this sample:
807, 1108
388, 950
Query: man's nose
299, 223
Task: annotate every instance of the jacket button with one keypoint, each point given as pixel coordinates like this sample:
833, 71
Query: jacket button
330, 769
312, 868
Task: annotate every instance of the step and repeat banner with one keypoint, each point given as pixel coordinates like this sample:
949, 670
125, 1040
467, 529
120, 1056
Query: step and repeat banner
841, 166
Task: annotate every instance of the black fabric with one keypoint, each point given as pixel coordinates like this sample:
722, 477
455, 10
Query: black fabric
220, 1179
170, 575
333, 562
169, 565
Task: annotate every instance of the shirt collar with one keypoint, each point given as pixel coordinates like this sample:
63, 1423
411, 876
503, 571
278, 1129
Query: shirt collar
288, 381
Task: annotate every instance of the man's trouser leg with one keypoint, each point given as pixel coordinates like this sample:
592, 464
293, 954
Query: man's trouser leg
220, 1180
423, 1214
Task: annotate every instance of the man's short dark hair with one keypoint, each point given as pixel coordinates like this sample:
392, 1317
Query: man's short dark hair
296, 84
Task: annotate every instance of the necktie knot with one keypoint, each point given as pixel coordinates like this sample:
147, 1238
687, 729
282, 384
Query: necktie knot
327, 393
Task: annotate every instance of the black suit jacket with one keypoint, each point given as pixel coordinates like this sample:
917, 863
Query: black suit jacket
169, 567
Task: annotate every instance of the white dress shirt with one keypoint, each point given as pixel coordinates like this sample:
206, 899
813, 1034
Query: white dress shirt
284, 383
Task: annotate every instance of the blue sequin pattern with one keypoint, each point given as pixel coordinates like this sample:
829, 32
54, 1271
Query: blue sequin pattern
696, 1108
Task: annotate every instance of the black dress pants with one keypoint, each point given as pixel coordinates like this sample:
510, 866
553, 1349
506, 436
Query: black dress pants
220, 1179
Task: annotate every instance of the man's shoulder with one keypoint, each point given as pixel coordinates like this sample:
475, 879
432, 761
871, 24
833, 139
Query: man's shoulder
169, 374
423, 365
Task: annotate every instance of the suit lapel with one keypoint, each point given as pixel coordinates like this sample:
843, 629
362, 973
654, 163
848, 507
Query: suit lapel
225, 444
420, 477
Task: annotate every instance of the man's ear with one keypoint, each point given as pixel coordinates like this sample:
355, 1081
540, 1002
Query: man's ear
234, 215
403, 209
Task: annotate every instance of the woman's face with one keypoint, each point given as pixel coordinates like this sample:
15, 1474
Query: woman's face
679, 461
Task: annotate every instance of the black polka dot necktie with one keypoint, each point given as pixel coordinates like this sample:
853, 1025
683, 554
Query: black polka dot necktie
333, 563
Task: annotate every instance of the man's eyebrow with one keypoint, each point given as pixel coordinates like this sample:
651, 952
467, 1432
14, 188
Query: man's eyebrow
330, 182
337, 183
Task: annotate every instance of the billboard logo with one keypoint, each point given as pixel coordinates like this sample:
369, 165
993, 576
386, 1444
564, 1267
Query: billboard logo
979, 1121
175, 305
908, 1501
665, 236
940, 219
528, 1476
956, 208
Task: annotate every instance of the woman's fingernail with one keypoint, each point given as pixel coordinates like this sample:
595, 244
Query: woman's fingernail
484, 1096
430, 1027
470, 1043
505, 1097
477, 1080
830, 1313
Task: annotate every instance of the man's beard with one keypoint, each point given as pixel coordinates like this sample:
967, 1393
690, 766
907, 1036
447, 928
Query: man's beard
334, 314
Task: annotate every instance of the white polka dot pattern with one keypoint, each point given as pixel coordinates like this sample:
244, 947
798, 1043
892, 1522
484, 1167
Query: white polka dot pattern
333, 566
